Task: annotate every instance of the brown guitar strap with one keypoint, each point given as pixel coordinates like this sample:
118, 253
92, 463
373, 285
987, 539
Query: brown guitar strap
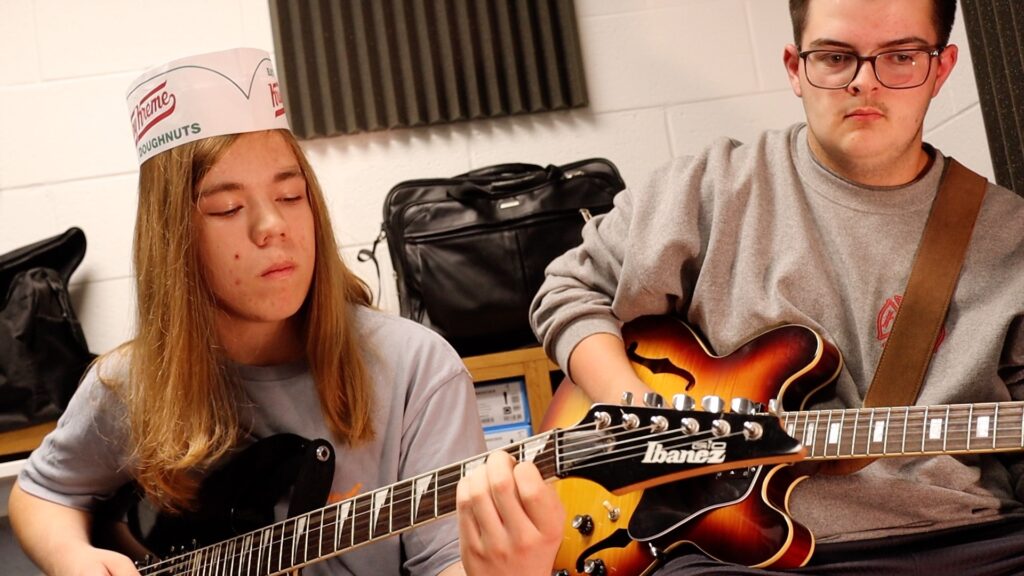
922, 313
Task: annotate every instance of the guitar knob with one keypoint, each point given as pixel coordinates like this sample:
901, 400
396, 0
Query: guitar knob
562, 572
595, 567
653, 400
583, 523
712, 404
742, 406
683, 402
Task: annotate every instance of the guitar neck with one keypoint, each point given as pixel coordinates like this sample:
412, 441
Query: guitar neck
337, 528
908, 430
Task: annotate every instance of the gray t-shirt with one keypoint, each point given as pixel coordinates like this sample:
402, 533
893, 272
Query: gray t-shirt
742, 238
425, 418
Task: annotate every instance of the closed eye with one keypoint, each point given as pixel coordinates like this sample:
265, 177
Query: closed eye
225, 213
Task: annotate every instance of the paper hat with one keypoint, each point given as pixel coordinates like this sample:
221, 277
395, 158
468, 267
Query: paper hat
227, 92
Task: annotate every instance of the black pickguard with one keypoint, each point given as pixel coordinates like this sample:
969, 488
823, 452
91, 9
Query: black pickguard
234, 499
665, 507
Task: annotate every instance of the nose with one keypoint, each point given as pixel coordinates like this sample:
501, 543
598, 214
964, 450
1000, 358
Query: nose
865, 79
267, 224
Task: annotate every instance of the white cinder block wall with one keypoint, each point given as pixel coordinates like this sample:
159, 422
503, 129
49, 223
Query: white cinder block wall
664, 78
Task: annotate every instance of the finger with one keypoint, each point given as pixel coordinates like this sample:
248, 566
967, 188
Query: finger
481, 504
505, 493
120, 565
540, 500
469, 530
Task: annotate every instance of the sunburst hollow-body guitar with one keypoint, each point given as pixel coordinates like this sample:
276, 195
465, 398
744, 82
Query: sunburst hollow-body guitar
742, 515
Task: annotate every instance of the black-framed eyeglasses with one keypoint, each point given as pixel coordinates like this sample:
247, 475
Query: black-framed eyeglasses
897, 69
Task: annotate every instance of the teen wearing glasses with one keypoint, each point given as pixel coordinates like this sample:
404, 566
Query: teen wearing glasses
817, 225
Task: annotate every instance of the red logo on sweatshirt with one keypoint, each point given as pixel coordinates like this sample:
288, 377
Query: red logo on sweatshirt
887, 315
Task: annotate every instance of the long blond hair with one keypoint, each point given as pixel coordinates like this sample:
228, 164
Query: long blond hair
181, 400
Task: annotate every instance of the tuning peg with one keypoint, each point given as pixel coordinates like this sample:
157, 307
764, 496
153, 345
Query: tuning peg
720, 427
627, 398
752, 430
742, 406
683, 402
659, 423
713, 404
689, 426
630, 421
653, 400
602, 420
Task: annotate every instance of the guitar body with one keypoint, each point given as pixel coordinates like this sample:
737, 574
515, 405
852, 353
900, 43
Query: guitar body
234, 499
739, 516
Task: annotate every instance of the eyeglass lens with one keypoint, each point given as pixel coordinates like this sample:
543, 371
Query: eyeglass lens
902, 69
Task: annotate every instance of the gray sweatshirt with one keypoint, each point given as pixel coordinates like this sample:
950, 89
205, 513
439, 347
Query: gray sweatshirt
748, 236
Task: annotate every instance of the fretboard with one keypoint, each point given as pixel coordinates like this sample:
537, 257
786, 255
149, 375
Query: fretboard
337, 528
908, 430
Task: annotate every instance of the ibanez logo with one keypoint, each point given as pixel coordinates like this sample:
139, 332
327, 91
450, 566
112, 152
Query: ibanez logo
703, 452
152, 108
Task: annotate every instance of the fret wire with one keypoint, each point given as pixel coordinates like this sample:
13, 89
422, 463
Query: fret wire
814, 436
970, 424
924, 428
945, 430
903, 440
842, 423
885, 437
305, 547
827, 433
995, 425
871, 429
436, 482
853, 436
1022, 427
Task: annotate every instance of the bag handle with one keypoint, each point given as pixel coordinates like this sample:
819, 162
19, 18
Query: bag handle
63, 253
492, 180
370, 255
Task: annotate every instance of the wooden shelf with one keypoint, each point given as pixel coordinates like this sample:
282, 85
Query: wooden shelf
24, 439
530, 363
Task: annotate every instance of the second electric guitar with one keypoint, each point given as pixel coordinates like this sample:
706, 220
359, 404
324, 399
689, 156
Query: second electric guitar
742, 516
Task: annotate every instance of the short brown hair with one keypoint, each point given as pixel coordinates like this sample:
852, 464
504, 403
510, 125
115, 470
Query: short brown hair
942, 16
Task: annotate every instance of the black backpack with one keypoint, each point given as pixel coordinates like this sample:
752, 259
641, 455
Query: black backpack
43, 352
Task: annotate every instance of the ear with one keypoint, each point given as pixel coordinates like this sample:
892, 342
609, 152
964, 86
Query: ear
946, 63
791, 58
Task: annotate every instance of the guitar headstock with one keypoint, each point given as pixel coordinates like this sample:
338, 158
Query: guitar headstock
626, 448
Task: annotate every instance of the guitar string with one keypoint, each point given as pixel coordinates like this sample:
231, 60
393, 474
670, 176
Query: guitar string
360, 521
911, 426
283, 532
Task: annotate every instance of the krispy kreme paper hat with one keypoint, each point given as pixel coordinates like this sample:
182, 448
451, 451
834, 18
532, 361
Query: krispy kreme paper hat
227, 92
